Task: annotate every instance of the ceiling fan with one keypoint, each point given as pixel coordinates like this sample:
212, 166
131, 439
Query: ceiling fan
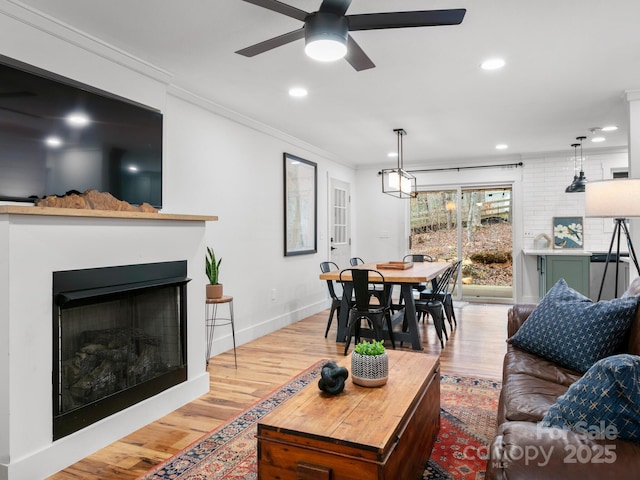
326, 32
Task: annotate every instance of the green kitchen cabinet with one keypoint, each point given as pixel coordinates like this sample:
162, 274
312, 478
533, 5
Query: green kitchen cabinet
573, 268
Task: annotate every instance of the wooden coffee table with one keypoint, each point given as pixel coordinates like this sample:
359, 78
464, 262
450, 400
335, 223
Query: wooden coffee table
379, 433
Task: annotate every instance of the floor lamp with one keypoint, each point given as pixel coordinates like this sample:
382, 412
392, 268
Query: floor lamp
617, 199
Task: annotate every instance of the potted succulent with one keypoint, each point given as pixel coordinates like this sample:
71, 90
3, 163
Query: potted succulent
212, 269
369, 364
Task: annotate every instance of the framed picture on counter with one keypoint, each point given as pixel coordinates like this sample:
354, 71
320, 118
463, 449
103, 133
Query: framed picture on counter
568, 232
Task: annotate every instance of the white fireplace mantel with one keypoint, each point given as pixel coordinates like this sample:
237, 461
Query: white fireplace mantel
35, 242
78, 212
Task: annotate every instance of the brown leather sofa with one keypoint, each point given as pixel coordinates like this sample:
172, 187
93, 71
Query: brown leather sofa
524, 450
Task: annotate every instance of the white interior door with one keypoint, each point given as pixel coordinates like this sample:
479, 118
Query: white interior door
340, 227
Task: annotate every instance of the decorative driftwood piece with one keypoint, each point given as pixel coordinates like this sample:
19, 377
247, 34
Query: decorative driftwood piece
92, 200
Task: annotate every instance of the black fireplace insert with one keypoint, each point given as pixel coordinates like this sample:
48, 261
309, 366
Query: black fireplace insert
119, 337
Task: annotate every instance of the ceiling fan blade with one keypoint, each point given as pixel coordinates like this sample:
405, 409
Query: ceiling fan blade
272, 43
337, 7
280, 7
423, 18
356, 56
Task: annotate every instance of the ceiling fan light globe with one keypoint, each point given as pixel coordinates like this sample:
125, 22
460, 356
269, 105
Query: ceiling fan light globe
325, 49
325, 36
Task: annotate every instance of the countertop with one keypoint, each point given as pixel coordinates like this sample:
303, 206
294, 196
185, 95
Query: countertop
557, 251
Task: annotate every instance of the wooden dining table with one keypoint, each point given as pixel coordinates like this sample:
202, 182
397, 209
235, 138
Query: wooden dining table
419, 272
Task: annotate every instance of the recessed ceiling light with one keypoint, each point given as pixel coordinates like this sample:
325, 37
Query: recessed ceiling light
78, 120
298, 92
502, 146
132, 168
610, 128
598, 139
492, 64
53, 142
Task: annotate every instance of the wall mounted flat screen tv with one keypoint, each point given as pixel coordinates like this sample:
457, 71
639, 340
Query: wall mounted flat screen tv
57, 136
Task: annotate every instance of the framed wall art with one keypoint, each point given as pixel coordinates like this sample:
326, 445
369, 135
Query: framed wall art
567, 232
300, 206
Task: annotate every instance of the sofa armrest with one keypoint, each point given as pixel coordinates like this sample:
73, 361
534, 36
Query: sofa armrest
517, 315
523, 450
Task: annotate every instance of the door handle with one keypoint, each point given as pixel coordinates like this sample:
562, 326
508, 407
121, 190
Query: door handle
333, 248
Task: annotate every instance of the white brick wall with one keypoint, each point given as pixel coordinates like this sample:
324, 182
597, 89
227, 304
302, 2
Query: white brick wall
544, 181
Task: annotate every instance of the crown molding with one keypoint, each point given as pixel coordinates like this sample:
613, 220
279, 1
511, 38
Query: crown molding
49, 25
632, 95
202, 102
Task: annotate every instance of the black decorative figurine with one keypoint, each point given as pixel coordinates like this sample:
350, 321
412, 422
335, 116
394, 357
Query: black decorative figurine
333, 378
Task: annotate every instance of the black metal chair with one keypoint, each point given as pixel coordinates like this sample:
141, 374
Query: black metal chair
446, 297
361, 307
336, 301
353, 261
375, 290
431, 304
414, 257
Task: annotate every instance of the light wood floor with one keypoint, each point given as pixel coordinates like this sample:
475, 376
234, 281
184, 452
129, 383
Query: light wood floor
475, 348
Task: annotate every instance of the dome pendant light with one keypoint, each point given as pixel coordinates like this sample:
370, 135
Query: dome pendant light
397, 182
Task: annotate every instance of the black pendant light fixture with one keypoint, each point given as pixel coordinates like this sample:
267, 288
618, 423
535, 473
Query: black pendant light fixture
571, 187
397, 182
579, 179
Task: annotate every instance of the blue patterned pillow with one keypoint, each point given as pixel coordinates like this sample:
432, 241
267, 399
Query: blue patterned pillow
569, 329
606, 400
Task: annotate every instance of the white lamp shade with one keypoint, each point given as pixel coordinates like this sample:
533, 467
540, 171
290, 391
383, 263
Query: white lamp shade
613, 198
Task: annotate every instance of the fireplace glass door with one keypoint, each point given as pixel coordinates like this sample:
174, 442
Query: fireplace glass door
114, 350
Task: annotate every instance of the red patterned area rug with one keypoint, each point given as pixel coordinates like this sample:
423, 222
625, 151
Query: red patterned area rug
468, 409
468, 417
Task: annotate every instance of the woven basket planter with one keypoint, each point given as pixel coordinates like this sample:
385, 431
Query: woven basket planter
369, 370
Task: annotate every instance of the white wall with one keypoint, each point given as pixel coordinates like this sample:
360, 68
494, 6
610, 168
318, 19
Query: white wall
545, 179
381, 231
4, 348
218, 166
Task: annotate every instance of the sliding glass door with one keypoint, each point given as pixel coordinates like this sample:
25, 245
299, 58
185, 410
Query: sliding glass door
473, 224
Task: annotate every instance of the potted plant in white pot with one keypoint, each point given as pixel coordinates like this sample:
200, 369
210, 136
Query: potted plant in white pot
212, 269
369, 364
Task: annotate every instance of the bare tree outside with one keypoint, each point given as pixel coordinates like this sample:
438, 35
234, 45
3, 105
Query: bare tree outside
486, 235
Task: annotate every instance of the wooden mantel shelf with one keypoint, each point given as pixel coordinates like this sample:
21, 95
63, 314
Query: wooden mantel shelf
76, 212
